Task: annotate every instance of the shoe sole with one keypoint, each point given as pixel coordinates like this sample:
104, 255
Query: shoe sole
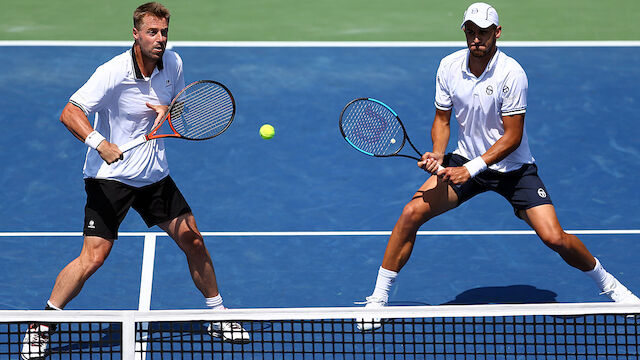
32, 358
368, 325
219, 335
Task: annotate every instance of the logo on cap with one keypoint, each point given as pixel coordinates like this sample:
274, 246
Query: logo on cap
482, 14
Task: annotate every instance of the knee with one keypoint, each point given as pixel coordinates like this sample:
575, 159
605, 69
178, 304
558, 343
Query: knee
92, 262
193, 243
413, 215
556, 240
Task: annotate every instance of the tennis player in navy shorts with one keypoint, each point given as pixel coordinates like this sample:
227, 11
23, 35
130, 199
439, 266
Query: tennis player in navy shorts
487, 90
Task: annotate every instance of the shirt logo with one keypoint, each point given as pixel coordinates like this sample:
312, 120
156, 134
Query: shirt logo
542, 193
489, 90
505, 89
168, 83
92, 224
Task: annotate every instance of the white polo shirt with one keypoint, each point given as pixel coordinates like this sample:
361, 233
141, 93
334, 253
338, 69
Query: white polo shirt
116, 93
480, 102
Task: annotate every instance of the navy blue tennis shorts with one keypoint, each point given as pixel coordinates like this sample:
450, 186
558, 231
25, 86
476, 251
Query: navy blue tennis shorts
108, 202
523, 188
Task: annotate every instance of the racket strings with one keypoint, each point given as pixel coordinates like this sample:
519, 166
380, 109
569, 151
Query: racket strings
202, 111
211, 109
372, 128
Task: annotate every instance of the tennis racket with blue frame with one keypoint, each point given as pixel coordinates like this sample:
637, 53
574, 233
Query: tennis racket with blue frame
374, 129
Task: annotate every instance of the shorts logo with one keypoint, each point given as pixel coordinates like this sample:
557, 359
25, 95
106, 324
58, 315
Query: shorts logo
505, 89
489, 90
542, 193
92, 224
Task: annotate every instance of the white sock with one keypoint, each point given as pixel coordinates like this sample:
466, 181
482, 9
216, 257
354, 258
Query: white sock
50, 306
384, 282
601, 277
215, 303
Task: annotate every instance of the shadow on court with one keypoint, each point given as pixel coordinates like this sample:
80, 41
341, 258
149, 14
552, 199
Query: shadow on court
103, 341
513, 294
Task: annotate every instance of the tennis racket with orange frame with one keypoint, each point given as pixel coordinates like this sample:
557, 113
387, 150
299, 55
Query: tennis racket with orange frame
202, 110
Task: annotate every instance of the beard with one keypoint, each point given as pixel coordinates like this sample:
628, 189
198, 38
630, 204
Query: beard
479, 52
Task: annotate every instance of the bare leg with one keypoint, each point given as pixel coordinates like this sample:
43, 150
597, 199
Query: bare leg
72, 278
433, 198
184, 232
544, 221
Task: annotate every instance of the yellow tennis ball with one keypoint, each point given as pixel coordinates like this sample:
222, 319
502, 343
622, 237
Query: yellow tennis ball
267, 131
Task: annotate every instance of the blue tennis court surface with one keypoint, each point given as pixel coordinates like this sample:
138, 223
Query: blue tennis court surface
583, 131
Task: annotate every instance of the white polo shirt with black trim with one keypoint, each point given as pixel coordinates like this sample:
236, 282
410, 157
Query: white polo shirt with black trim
480, 102
117, 94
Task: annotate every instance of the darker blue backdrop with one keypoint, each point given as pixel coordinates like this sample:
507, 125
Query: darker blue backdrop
582, 126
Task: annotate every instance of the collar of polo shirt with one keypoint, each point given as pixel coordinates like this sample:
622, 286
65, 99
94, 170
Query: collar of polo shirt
490, 65
136, 68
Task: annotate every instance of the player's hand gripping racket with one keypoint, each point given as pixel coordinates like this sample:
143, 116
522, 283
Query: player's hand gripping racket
202, 110
375, 129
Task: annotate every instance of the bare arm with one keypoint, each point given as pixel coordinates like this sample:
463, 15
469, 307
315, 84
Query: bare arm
77, 123
509, 142
440, 132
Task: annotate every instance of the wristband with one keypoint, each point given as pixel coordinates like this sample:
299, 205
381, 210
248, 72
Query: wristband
94, 139
475, 166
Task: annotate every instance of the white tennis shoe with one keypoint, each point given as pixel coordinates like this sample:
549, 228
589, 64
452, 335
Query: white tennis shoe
620, 294
368, 324
229, 331
36, 341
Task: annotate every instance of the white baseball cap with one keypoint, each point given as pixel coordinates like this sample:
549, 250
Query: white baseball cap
482, 14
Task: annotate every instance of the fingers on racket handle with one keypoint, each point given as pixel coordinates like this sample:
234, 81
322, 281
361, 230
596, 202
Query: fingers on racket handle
440, 167
133, 143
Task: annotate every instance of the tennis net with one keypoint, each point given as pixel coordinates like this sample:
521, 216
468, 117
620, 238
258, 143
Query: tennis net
535, 331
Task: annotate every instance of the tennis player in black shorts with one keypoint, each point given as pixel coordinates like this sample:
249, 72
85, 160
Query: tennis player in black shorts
127, 95
488, 92
523, 188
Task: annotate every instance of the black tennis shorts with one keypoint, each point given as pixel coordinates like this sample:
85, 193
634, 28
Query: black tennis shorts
523, 188
108, 202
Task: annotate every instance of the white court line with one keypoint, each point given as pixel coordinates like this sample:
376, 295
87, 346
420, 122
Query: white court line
146, 285
333, 233
348, 44
146, 278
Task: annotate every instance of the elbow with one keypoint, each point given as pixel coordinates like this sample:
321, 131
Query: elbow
511, 142
517, 141
64, 115
67, 114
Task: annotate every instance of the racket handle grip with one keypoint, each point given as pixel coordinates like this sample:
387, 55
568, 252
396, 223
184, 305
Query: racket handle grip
133, 143
440, 167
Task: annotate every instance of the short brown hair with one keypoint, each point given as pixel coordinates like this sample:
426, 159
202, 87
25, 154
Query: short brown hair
150, 8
